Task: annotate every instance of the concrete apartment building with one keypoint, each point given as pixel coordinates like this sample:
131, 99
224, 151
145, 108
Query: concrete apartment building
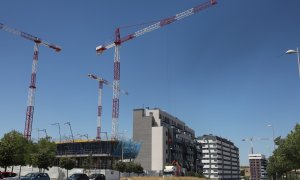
220, 158
258, 167
164, 139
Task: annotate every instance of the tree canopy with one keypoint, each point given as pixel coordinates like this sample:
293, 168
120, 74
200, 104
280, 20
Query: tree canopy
128, 167
43, 153
14, 149
287, 156
67, 163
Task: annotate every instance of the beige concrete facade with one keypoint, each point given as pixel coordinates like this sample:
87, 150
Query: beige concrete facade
164, 139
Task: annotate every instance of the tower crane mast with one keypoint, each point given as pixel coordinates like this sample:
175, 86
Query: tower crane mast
32, 86
101, 81
118, 41
251, 139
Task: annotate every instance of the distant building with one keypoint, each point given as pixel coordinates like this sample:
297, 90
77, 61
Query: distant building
164, 139
245, 172
258, 166
220, 158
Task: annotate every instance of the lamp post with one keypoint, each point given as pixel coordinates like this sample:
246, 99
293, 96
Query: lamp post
292, 51
85, 135
58, 125
269, 125
122, 140
68, 123
273, 132
44, 130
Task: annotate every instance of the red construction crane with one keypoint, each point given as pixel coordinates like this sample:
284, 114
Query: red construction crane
100, 88
118, 41
32, 86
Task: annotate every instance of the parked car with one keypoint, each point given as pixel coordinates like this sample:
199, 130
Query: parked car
97, 177
8, 175
78, 176
35, 176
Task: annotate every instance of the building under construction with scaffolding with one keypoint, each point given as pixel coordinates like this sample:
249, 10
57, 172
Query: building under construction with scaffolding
103, 153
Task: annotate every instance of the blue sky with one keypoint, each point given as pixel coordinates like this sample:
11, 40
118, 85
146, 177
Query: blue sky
223, 71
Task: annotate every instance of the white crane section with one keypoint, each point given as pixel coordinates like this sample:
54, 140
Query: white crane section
100, 88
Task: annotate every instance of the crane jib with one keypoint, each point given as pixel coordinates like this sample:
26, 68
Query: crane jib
167, 21
100, 49
30, 37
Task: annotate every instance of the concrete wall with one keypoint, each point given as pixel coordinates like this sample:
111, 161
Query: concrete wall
142, 133
155, 114
158, 148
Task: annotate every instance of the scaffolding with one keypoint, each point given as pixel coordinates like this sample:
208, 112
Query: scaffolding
127, 149
104, 153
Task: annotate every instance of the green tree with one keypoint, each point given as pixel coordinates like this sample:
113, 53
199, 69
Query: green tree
292, 147
287, 156
44, 153
138, 169
120, 166
242, 172
67, 163
88, 162
6, 154
13, 149
129, 167
278, 165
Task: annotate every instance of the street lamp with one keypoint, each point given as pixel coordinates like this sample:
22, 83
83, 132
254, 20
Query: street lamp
269, 125
68, 123
291, 51
85, 135
58, 125
44, 130
122, 140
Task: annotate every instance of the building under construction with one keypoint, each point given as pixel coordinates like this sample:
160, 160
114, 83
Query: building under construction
103, 153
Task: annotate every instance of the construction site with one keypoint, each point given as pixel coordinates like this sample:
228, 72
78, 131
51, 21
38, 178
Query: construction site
104, 152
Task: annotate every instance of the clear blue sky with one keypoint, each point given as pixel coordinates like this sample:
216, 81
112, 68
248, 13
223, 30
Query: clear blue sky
222, 71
